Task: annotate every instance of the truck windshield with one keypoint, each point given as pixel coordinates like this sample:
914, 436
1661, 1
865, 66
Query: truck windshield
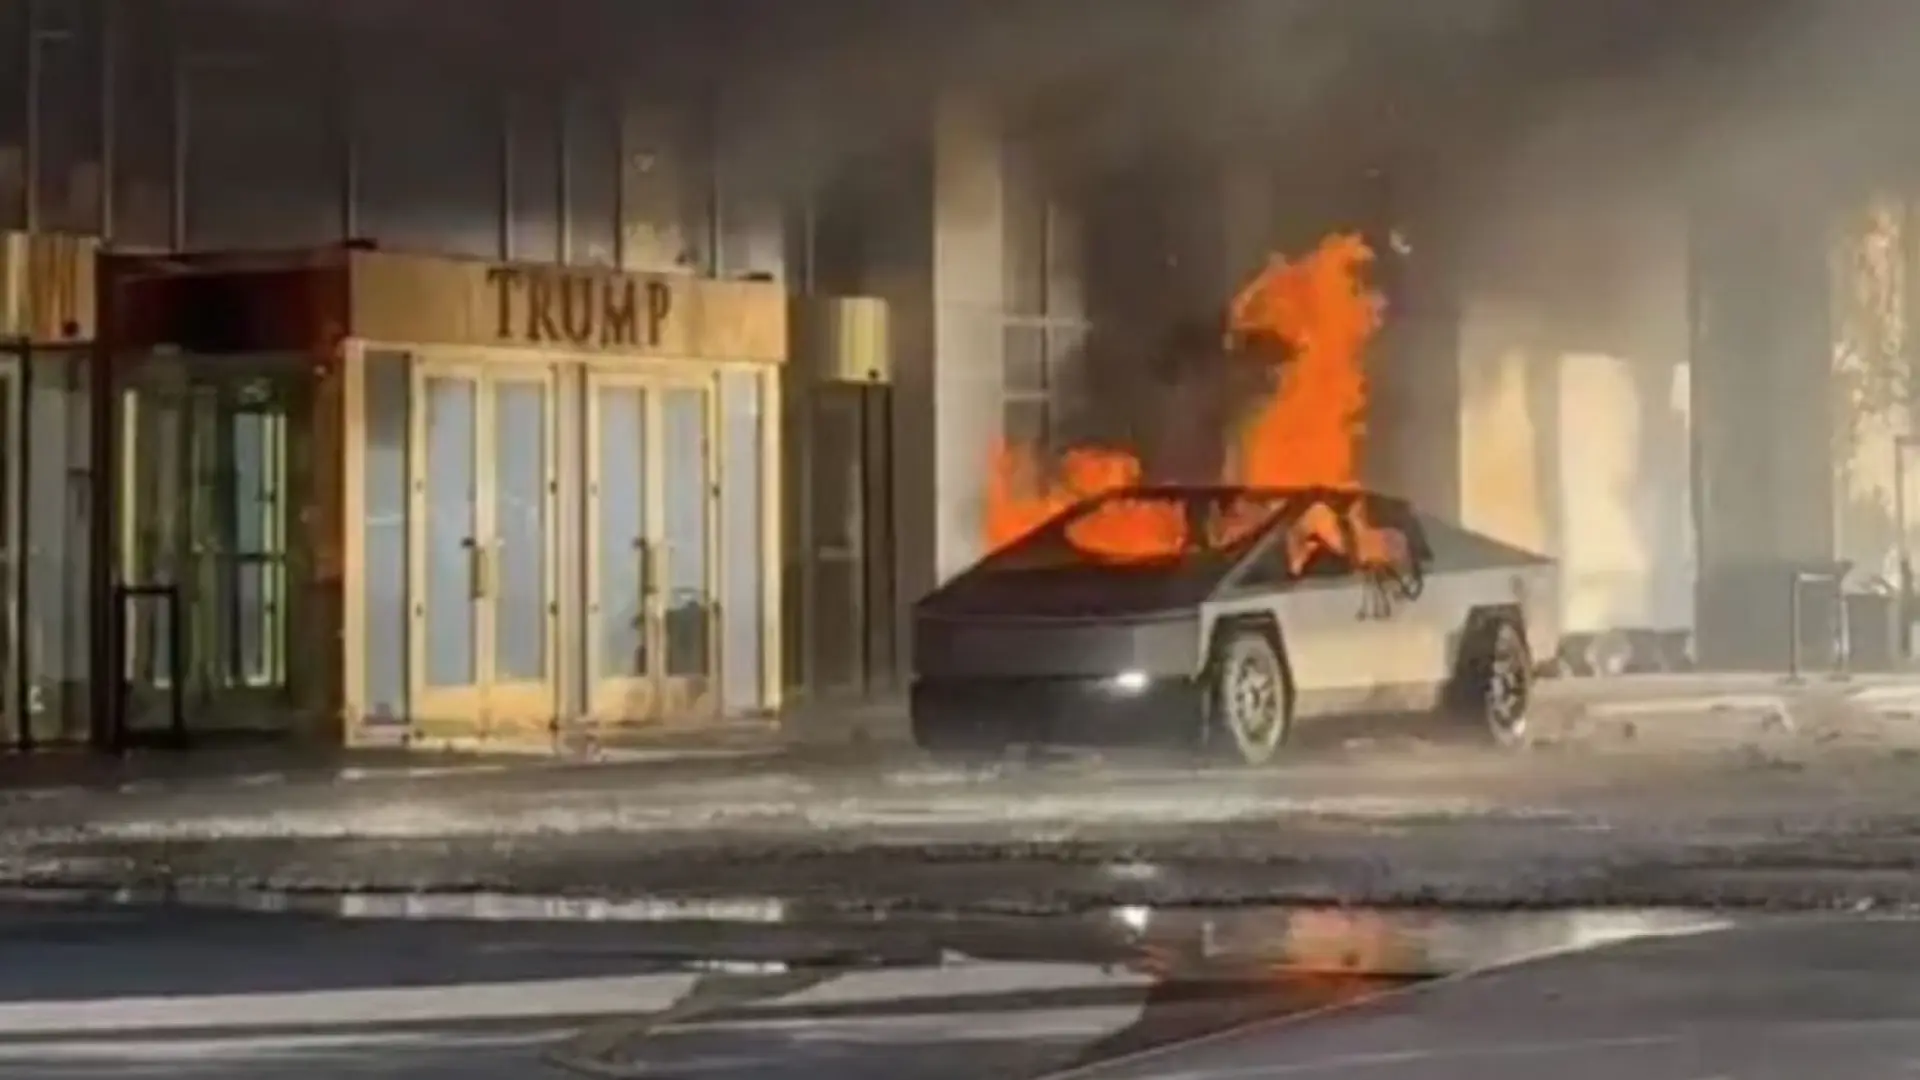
1145, 530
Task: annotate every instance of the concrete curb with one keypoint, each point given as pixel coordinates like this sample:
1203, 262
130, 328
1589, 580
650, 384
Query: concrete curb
264, 778
356, 774
320, 1010
421, 906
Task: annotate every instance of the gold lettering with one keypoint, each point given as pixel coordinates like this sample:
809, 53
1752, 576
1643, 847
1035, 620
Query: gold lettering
541, 326
659, 306
504, 280
620, 315
615, 311
577, 307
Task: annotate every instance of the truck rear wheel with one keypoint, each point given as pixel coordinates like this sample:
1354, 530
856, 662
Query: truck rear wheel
1495, 689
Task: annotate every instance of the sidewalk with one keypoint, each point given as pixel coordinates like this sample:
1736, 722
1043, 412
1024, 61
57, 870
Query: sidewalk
872, 736
74, 770
805, 738
1890, 697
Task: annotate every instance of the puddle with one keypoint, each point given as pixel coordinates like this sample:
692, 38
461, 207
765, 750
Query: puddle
1403, 944
767, 987
1391, 944
1171, 976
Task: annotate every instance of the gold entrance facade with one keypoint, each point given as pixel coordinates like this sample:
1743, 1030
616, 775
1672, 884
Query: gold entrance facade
563, 505
510, 506
47, 325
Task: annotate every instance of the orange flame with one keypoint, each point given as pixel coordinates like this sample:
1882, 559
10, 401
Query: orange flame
1305, 434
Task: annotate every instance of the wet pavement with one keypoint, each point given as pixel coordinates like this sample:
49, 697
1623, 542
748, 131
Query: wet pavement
1796, 826
1780, 1000
101, 990
1736, 807
1687, 711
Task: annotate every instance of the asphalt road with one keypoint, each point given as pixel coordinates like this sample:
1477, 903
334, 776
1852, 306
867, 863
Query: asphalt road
142, 993
116, 993
1735, 805
1782, 1001
87, 993
99, 992
1795, 825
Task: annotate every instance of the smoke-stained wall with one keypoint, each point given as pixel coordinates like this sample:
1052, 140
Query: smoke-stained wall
202, 124
1574, 410
936, 231
1540, 384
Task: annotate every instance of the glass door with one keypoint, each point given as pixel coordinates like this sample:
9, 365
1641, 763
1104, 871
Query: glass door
687, 615
154, 540
447, 549
483, 491
518, 493
252, 576
651, 508
620, 467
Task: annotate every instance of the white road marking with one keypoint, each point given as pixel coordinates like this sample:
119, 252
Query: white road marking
530, 1000
246, 1048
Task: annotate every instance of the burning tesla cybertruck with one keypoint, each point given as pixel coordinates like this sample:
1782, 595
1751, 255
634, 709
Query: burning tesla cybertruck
1217, 618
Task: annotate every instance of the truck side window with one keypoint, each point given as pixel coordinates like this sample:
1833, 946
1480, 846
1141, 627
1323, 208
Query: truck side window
1286, 562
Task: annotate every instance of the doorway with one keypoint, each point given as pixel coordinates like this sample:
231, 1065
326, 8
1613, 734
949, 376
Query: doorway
842, 624
216, 477
652, 504
483, 492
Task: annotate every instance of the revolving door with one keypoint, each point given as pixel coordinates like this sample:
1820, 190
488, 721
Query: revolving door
217, 542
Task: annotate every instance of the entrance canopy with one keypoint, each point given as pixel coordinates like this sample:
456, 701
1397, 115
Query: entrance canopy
215, 303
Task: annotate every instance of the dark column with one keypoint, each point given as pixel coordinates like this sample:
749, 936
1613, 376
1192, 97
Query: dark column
103, 620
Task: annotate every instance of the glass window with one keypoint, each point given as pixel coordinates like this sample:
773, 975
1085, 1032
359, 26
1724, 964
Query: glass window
520, 530
1024, 356
384, 536
742, 537
1142, 549
1146, 526
1333, 538
57, 490
1024, 419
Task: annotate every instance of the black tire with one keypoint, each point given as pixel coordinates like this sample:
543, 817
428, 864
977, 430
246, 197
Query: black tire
1495, 688
1249, 702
